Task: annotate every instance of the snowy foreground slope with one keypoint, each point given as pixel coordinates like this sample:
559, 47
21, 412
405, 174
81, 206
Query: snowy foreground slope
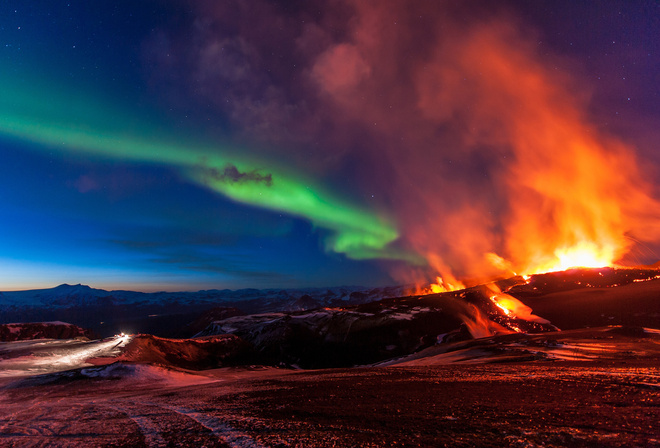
424, 378
551, 404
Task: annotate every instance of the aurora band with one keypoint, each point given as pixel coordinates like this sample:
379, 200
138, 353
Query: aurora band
66, 120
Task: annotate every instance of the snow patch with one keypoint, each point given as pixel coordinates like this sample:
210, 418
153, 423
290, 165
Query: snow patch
54, 355
231, 436
147, 373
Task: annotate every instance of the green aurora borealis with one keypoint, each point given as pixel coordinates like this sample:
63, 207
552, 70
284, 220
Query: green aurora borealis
69, 122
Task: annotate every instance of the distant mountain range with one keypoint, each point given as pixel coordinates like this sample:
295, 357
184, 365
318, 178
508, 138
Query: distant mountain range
350, 315
164, 313
348, 326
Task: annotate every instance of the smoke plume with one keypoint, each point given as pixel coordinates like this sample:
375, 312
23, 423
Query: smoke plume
445, 115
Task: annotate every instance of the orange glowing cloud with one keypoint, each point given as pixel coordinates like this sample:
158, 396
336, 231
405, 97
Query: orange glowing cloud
574, 197
449, 118
496, 166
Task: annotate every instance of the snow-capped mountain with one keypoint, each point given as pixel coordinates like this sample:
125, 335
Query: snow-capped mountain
163, 313
65, 295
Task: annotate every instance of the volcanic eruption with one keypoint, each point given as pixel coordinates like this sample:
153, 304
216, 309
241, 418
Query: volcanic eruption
458, 158
571, 195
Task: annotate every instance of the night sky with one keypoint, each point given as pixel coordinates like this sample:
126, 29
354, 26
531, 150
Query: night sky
185, 145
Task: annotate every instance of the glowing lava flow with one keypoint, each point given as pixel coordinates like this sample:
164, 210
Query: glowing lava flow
513, 307
583, 255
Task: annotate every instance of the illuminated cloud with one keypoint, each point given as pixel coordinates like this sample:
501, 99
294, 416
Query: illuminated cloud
478, 143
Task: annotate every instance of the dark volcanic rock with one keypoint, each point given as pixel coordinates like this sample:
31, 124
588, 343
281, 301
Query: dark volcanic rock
305, 302
338, 337
581, 278
581, 298
206, 319
364, 334
42, 330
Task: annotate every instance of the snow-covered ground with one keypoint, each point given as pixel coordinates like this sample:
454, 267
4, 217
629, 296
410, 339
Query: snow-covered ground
511, 404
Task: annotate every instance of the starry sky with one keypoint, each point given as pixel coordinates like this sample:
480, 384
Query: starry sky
185, 145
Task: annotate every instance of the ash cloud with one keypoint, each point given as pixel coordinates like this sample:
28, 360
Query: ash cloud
444, 113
